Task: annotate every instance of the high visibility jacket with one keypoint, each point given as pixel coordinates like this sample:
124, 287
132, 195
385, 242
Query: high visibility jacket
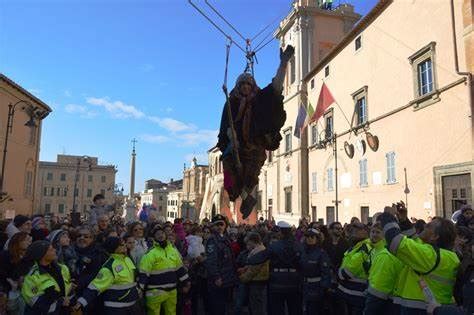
41, 291
420, 258
384, 271
354, 270
116, 281
161, 269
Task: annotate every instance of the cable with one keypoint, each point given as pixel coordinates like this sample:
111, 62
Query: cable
224, 19
266, 27
216, 26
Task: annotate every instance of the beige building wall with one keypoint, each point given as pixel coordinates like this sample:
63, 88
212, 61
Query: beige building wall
430, 136
156, 197
313, 32
175, 200
56, 180
194, 187
21, 163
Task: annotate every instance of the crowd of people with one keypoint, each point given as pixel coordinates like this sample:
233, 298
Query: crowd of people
393, 265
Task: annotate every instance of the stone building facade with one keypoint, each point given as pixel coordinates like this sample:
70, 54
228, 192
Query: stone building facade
56, 182
194, 186
22, 152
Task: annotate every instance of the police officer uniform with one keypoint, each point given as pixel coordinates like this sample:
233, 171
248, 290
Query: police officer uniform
284, 282
220, 267
116, 282
316, 273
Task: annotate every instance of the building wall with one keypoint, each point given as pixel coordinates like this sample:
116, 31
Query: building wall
194, 187
313, 32
21, 168
56, 182
174, 205
424, 136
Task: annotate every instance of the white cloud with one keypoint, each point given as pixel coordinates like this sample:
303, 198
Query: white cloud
117, 108
154, 138
147, 67
200, 137
172, 125
79, 109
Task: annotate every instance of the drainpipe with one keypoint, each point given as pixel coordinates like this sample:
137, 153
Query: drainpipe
468, 75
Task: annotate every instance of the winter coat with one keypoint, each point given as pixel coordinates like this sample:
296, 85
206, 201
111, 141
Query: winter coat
284, 258
256, 270
220, 261
89, 261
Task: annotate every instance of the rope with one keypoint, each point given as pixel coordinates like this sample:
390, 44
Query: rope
233, 139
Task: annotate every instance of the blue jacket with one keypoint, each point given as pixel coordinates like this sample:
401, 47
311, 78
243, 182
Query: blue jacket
284, 258
220, 261
316, 272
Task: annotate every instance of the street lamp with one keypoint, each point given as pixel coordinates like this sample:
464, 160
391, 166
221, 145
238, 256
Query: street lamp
30, 123
407, 190
76, 216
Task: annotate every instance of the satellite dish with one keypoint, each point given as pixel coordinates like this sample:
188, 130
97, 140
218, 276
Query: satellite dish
361, 146
372, 141
349, 148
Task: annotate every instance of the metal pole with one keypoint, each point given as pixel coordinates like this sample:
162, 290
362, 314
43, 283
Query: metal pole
407, 190
11, 112
335, 172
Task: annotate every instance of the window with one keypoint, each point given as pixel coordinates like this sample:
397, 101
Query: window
45, 191
89, 178
328, 118
363, 173
287, 133
391, 178
89, 192
51, 192
29, 183
330, 179
455, 193
259, 200
312, 83
49, 176
63, 177
326, 71
360, 103
314, 183
61, 208
76, 192
288, 191
358, 43
463, 193
270, 156
58, 191
160, 198
102, 179
424, 75
314, 134
65, 192
102, 192
47, 208
292, 70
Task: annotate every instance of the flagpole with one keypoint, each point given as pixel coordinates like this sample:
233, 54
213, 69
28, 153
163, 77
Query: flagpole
335, 172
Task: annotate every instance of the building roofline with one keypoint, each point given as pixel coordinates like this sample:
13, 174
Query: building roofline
24, 91
362, 25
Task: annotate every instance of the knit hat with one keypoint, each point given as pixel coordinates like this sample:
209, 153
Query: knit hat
55, 235
20, 219
36, 222
112, 243
37, 250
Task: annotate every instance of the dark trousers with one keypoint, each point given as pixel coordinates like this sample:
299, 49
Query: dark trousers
411, 311
132, 310
375, 306
313, 308
257, 298
241, 298
218, 299
278, 299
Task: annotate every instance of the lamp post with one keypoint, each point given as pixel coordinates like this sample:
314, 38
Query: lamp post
76, 216
407, 190
30, 123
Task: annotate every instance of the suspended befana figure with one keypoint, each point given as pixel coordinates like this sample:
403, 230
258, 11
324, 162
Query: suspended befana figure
257, 117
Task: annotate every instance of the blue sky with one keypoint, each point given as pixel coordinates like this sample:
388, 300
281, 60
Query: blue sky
115, 70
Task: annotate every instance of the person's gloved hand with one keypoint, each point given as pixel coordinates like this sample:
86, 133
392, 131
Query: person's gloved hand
286, 55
